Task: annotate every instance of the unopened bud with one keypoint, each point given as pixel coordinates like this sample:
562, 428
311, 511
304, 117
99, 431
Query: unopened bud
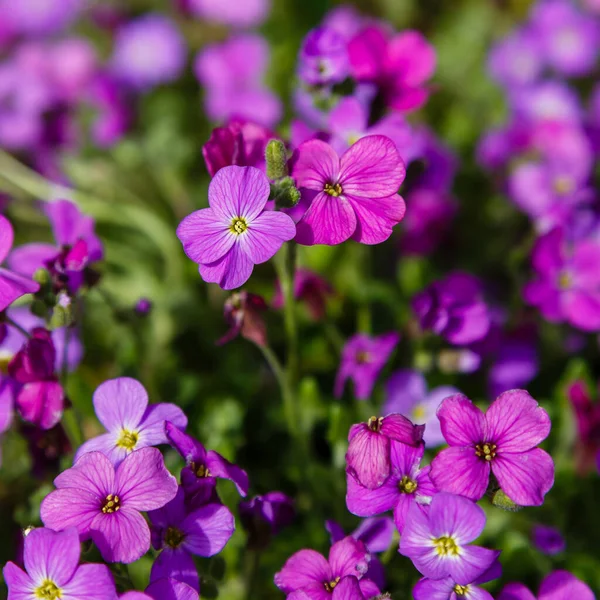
285, 193
42, 277
276, 157
62, 314
39, 308
501, 500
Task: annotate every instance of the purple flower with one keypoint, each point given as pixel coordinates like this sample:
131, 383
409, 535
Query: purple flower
406, 392
243, 314
232, 74
12, 285
448, 589
399, 66
368, 457
502, 441
515, 364
238, 142
547, 101
264, 516
203, 467
52, 570
567, 282
121, 405
438, 541
323, 57
548, 540
309, 572
111, 103
559, 585
518, 59
310, 288
406, 485
180, 534
40, 17
40, 397
250, 13
453, 308
164, 589
352, 196
105, 503
148, 51
236, 232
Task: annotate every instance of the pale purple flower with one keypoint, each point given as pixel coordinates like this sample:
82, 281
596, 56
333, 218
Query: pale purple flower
439, 541
559, 585
181, 534
352, 196
249, 13
111, 103
105, 503
236, 232
121, 405
52, 570
363, 358
407, 394
12, 285
369, 446
40, 17
515, 364
323, 57
406, 485
547, 101
548, 540
517, 59
502, 442
148, 51
164, 589
566, 286
345, 19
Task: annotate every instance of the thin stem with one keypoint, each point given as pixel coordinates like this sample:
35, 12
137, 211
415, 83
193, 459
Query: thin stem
14, 324
71, 420
252, 575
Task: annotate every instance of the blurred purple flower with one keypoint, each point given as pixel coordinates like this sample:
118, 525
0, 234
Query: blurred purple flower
323, 57
548, 540
517, 59
40, 17
587, 421
559, 585
143, 307
47, 448
164, 589
514, 365
345, 20
265, 516
439, 160
309, 288
112, 111
547, 101
249, 13
243, 315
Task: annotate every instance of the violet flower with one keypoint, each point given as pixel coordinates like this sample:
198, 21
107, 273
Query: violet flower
369, 446
323, 57
407, 394
517, 59
352, 196
121, 405
347, 588
309, 572
362, 359
250, 13
42, 17
164, 589
559, 585
236, 232
406, 485
243, 313
310, 288
548, 540
439, 541
181, 534
12, 285
454, 308
264, 516
52, 570
105, 503
566, 286
503, 441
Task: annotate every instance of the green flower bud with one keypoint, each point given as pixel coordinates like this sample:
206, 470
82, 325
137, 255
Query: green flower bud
276, 157
501, 500
42, 276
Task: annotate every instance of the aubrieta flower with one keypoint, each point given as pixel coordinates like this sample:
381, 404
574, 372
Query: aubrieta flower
264, 516
105, 503
181, 534
548, 540
407, 394
148, 51
309, 288
323, 57
12, 285
352, 196
236, 232
121, 405
439, 541
454, 308
310, 572
362, 359
250, 13
164, 589
347, 588
369, 446
406, 485
566, 286
559, 585
517, 59
40, 17
587, 421
503, 441
243, 313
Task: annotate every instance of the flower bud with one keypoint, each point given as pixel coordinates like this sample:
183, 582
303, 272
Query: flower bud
276, 157
501, 500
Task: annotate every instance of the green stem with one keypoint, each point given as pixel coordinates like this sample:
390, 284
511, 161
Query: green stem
17, 327
252, 576
71, 420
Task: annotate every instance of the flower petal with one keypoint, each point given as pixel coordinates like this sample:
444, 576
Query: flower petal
368, 456
266, 234
176, 564
122, 536
405, 501
120, 403
152, 426
20, 585
434, 589
376, 533
41, 403
471, 563
231, 271
205, 235
364, 502
92, 582
516, 591
208, 529
462, 423
399, 428
28, 258
460, 471
7, 237
13, 286
347, 589
376, 217
93, 472
221, 467
301, 570
189, 448
562, 585
349, 557
456, 516
404, 389
70, 507
107, 444
169, 589
582, 309
315, 163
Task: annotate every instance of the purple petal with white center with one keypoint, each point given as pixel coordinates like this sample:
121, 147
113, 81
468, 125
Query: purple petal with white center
315, 163
463, 424
92, 582
404, 389
169, 589
526, 477
120, 403
70, 507
364, 502
301, 570
13, 286
121, 536
562, 585
221, 467
208, 530
93, 472
265, 234
368, 456
105, 443
231, 271
349, 557
27, 259
460, 471
516, 591
20, 585
152, 426
176, 564
456, 516
516, 422
376, 217
472, 562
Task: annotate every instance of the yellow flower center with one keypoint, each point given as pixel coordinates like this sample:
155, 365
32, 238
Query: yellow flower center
362, 357
238, 225
48, 590
200, 470
564, 280
333, 189
128, 439
374, 424
330, 585
111, 505
407, 486
446, 546
486, 451
563, 186
461, 590
174, 537
419, 412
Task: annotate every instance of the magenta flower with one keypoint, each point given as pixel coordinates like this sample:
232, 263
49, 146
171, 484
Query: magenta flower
323, 57
121, 405
309, 572
203, 467
164, 589
352, 196
236, 232
40, 397
502, 441
347, 588
439, 541
243, 313
12, 285
52, 570
566, 286
104, 503
363, 357
548, 540
559, 585
368, 457
406, 485
180, 534
251, 13
311, 289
